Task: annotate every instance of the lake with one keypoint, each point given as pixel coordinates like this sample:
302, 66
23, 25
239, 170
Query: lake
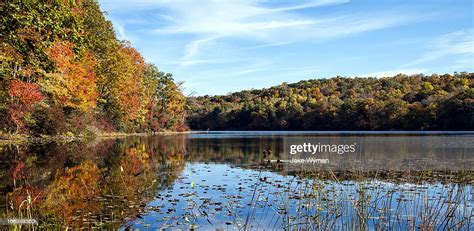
244, 180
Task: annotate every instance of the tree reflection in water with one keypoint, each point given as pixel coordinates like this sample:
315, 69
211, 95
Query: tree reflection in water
86, 185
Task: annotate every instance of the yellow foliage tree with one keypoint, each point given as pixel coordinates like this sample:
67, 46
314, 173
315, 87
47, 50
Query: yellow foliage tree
74, 83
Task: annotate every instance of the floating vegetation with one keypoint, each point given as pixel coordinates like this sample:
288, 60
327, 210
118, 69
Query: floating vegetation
255, 199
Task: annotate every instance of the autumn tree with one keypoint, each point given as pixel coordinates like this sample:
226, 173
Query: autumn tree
401, 102
166, 103
67, 52
23, 97
73, 84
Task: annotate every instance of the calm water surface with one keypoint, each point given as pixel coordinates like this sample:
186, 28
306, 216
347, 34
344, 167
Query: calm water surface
216, 180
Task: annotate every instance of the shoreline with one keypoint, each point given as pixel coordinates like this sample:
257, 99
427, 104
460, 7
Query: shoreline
24, 139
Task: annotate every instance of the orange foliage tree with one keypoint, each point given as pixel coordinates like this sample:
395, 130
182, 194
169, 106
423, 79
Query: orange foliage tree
74, 83
130, 89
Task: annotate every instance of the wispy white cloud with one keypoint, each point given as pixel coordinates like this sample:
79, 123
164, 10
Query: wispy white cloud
459, 43
276, 26
255, 66
388, 73
193, 47
121, 31
249, 71
464, 63
206, 61
310, 4
211, 20
274, 44
208, 22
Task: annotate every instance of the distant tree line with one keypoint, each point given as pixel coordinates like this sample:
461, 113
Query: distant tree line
62, 69
401, 102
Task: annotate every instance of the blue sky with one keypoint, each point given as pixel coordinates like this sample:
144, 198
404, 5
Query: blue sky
217, 47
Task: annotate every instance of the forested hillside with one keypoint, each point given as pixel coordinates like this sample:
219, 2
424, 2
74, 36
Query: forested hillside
64, 71
394, 103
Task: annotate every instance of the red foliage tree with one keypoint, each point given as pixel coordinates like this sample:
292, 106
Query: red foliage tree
23, 97
25, 93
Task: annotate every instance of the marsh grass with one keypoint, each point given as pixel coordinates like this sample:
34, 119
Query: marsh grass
367, 200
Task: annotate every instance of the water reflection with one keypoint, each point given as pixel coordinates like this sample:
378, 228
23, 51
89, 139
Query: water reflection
143, 181
84, 185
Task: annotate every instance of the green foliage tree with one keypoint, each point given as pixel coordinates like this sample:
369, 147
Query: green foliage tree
394, 103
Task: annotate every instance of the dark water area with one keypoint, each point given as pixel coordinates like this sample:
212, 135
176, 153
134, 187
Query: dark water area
227, 180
